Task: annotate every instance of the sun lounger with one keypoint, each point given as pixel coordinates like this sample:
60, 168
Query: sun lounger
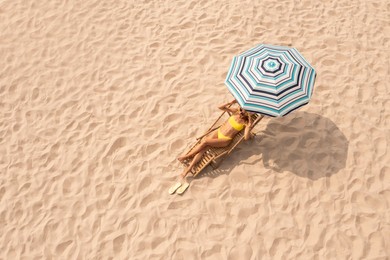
214, 156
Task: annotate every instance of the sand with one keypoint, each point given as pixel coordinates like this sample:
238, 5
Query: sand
98, 98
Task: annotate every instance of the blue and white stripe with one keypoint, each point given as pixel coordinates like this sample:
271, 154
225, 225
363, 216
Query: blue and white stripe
271, 80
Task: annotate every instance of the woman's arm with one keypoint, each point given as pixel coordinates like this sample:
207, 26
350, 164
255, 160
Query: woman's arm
248, 128
225, 107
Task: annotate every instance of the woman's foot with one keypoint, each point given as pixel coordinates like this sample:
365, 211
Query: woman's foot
182, 158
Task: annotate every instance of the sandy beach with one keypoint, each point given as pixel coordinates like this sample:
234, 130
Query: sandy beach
98, 98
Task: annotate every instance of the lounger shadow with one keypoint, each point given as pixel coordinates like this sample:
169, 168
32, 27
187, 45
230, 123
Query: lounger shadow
305, 144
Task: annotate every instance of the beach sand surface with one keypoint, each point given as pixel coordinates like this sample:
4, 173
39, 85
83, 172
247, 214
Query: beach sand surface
98, 98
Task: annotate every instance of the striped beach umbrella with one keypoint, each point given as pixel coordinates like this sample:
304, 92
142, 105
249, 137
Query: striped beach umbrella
271, 80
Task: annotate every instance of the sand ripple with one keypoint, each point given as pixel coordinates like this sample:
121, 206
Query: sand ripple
97, 99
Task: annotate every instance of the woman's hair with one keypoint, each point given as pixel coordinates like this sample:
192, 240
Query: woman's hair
244, 114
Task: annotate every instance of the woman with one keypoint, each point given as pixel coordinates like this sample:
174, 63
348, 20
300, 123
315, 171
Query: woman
221, 137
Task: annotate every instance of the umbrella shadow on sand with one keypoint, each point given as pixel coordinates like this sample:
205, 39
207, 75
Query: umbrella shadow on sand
306, 144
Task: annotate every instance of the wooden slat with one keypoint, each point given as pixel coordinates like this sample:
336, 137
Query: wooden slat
212, 152
208, 156
200, 166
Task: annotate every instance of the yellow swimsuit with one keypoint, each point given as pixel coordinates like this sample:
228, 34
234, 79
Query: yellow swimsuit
234, 124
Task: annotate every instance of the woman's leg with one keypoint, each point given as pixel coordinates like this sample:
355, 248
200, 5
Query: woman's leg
213, 142
200, 150
196, 159
213, 134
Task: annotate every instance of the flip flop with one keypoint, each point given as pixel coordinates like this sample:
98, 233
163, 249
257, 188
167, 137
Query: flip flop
183, 188
174, 187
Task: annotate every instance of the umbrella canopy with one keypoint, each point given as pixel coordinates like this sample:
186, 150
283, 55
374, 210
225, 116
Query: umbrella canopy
271, 80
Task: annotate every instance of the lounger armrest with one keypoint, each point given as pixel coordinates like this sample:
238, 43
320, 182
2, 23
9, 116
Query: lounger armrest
222, 154
234, 146
258, 119
209, 131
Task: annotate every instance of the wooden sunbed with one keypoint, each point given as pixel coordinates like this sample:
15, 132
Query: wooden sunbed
214, 156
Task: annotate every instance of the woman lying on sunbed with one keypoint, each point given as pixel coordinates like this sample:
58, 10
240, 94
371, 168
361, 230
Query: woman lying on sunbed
221, 137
